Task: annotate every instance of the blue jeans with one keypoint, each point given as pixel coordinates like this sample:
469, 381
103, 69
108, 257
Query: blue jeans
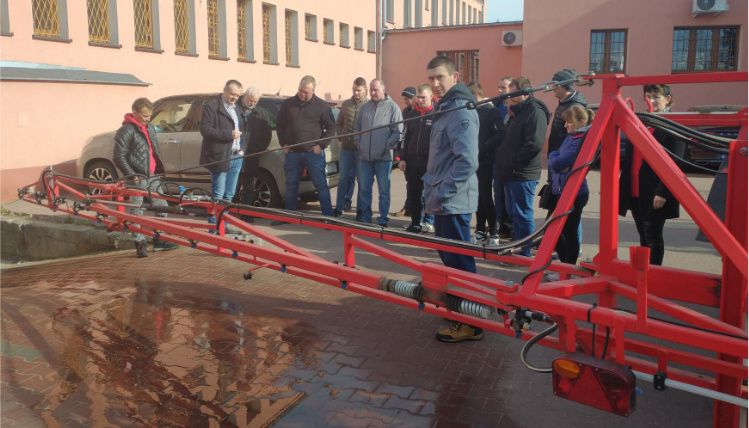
153, 185
458, 227
293, 165
519, 197
348, 161
368, 171
224, 184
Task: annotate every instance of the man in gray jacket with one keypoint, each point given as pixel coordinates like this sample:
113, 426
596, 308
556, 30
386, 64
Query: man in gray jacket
451, 189
376, 150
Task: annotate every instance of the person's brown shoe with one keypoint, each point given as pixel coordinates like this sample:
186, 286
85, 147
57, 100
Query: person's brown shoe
401, 213
460, 332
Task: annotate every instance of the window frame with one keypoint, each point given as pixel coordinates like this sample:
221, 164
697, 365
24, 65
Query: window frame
190, 24
407, 13
221, 49
62, 19
343, 35
246, 28
358, 38
272, 33
390, 11
371, 42
291, 37
155, 28
692, 48
312, 27
5, 19
606, 65
328, 34
471, 65
114, 40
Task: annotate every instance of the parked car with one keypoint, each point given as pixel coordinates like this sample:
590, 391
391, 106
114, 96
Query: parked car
177, 123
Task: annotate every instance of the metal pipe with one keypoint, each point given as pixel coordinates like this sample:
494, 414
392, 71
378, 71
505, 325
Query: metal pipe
709, 393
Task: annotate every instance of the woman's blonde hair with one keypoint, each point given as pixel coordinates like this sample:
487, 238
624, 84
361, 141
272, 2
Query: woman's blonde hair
578, 113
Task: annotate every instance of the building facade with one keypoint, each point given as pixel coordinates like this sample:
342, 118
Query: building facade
70, 69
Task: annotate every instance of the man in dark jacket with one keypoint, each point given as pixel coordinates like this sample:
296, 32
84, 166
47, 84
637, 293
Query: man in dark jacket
255, 138
491, 132
221, 129
136, 153
414, 156
304, 118
519, 157
348, 155
407, 95
568, 97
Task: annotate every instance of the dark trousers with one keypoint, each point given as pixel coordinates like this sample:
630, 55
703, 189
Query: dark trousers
651, 233
568, 245
458, 227
247, 185
415, 169
486, 212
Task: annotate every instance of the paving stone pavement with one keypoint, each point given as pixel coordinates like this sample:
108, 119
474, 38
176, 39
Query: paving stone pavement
181, 339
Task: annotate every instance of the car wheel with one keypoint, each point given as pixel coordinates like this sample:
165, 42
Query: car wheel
100, 171
266, 191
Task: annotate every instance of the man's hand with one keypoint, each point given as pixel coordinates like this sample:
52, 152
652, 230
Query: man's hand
286, 151
235, 134
402, 166
658, 202
316, 149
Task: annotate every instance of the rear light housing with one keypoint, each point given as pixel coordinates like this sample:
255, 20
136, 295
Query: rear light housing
597, 383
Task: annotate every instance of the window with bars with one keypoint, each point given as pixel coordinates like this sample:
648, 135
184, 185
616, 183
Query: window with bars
407, 13
184, 27
244, 31
390, 11
270, 48
291, 31
343, 35
328, 34
466, 63
216, 13
98, 21
608, 51
703, 49
435, 13
144, 29
418, 12
358, 39
310, 27
50, 19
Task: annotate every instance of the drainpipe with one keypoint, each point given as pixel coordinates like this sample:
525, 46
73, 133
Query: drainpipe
378, 34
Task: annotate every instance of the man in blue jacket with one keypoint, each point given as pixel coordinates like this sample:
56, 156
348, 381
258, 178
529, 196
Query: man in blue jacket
450, 183
376, 150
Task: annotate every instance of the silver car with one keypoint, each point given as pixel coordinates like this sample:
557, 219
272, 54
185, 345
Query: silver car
177, 123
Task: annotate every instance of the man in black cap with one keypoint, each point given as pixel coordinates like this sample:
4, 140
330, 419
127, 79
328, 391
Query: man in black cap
408, 95
568, 97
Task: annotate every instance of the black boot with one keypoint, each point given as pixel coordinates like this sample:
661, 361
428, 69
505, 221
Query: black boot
140, 249
358, 215
161, 245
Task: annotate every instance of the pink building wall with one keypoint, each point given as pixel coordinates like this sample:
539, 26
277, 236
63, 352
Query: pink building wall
407, 52
56, 119
559, 37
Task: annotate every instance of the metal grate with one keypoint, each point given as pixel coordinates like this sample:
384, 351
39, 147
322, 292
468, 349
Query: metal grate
326, 24
308, 27
266, 33
181, 32
46, 18
289, 38
143, 23
213, 42
241, 39
98, 21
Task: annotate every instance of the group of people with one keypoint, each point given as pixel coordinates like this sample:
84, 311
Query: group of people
452, 158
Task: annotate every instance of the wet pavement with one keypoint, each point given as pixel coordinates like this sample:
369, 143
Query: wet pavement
181, 339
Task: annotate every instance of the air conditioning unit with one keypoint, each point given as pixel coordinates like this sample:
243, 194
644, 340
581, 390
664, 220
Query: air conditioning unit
709, 6
513, 38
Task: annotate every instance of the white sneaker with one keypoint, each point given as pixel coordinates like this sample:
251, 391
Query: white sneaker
426, 227
552, 276
478, 238
493, 239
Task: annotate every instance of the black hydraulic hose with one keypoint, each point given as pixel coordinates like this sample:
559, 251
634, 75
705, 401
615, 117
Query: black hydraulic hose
530, 343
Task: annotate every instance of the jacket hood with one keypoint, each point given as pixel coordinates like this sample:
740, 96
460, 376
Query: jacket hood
532, 102
576, 98
129, 118
458, 92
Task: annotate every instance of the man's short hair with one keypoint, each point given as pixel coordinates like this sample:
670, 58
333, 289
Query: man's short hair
441, 60
506, 78
252, 90
421, 87
142, 102
521, 82
234, 83
382, 83
360, 82
476, 89
308, 80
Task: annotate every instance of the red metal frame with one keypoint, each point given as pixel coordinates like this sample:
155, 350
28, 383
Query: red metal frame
606, 277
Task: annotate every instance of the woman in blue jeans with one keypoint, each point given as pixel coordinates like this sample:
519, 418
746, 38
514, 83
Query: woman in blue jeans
577, 121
